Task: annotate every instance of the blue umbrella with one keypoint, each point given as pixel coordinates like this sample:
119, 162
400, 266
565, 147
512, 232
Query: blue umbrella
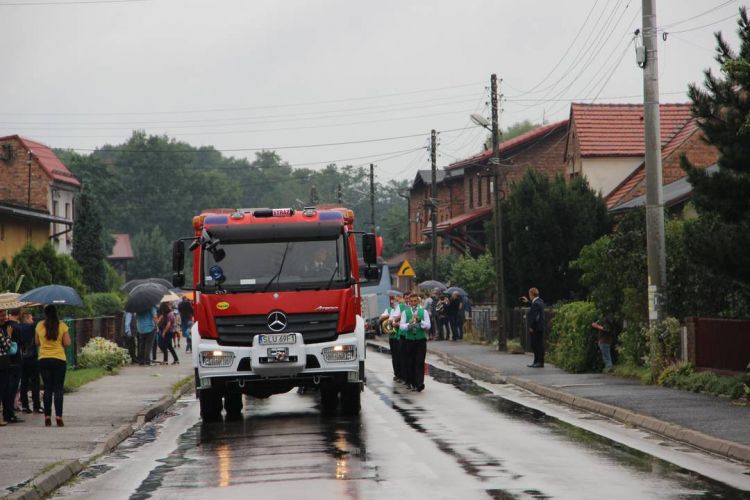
460, 291
59, 295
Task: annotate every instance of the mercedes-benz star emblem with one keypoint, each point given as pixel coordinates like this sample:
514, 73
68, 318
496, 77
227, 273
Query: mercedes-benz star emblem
276, 321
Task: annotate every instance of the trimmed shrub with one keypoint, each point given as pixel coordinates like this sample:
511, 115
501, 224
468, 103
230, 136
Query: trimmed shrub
683, 376
103, 304
100, 352
575, 348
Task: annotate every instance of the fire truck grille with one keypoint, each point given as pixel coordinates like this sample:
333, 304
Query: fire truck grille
240, 330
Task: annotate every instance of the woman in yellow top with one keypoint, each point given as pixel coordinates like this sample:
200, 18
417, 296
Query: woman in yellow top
52, 337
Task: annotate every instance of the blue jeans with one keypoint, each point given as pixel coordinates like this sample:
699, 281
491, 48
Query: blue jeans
606, 355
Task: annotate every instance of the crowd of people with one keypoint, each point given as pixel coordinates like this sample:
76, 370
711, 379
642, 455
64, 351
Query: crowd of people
30, 349
159, 328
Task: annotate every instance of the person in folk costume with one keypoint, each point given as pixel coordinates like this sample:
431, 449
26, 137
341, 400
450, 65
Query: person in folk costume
415, 320
398, 349
388, 327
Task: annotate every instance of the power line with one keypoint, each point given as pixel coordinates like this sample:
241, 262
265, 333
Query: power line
71, 2
705, 12
733, 16
246, 108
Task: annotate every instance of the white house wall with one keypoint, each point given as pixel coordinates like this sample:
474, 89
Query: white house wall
605, 174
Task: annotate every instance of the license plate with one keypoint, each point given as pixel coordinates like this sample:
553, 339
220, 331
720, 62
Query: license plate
276, 339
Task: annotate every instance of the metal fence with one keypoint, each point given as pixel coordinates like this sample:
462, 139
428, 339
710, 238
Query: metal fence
84, 329
484, 323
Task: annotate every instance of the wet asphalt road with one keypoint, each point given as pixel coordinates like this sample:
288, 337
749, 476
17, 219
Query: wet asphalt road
455, 440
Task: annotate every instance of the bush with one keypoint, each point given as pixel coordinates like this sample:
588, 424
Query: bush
633, 345
100, 352
664, 344
683, 376
103, 304
574, 340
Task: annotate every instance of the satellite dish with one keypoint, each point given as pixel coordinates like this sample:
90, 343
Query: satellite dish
480, 120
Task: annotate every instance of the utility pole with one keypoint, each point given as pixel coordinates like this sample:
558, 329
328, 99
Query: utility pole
313, 196
372, 196
339, 195
433, 201
655, 245
497, 179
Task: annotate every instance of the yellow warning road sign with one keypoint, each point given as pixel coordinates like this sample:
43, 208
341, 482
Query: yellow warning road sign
406, 270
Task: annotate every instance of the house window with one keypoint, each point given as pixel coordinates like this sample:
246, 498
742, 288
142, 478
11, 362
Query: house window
471, 192
489, 190
479, 192
67, 211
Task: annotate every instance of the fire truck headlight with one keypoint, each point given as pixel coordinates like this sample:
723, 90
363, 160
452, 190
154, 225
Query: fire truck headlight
216, 359
340, 353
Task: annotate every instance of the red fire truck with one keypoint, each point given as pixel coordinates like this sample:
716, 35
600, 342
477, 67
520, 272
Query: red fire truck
277, 305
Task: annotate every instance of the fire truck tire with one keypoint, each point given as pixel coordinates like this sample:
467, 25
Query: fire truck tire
233, 404
329, 398
350, 399
210, 403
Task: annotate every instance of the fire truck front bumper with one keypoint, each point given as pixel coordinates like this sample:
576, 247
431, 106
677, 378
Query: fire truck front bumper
279, 357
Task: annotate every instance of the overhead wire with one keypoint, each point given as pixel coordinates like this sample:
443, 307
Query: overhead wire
696, 16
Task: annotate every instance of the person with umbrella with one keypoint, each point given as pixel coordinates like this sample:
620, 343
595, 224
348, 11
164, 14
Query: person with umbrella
145, 325
52, 337
166, 328
142, 300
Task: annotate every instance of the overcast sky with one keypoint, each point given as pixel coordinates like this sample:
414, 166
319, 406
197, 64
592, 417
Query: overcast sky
247, 74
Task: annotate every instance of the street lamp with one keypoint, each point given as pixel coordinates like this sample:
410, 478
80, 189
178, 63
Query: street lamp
497, 208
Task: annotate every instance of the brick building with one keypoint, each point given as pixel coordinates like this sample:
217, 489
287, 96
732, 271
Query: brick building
688, 141
36, 197
605, 142
464, 191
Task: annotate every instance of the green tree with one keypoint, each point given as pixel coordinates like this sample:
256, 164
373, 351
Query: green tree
89, 248
476, 276
720, 239
547, 222
512, 131
44, 266
151, 252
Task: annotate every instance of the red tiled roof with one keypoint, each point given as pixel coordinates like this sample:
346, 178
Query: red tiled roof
617, 129
122, 248
634, 183
51, 164
461, 220
511, 144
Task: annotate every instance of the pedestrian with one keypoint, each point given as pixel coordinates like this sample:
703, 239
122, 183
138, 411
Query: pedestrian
176, 326
130, 337
399, 364
185, 308
604, 340
415, 321
427, 306
29, 365
166, 328
442, 319
535, 323
12, 329
5, 348
146, 328
434, 301
452, 311
52, 337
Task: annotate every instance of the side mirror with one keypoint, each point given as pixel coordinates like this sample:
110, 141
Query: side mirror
178, 256
178, 279
372, 273
369, 249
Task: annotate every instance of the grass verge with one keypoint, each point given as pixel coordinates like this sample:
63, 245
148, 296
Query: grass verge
636, 372
177, 386
74, 379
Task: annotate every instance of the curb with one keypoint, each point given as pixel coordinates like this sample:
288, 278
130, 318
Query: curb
718, 446
47, 482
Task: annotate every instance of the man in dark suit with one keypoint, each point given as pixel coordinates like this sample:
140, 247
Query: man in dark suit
535, 322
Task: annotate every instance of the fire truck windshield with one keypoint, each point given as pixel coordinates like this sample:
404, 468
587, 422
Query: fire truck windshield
280, 265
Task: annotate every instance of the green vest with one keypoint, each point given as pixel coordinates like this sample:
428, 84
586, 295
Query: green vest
417, 333
401, 333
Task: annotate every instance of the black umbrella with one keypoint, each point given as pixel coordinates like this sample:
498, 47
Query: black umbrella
145, 296
130, 285
460, 291
430, 284
59, 295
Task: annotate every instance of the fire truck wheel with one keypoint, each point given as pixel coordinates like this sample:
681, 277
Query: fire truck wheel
210, 403
233, 404
329, 398
350, 395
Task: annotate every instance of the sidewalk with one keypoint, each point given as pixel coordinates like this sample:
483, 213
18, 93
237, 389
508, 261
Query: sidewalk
97, 417
708, 422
